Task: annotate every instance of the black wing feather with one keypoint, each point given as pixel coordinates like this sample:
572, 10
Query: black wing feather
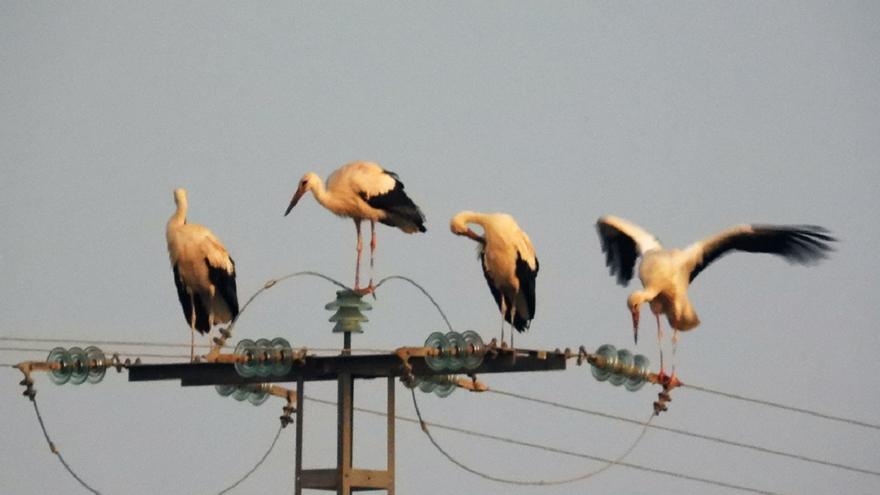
224, 283
802, 244
402, 212
620, 252
185, 301
527, 278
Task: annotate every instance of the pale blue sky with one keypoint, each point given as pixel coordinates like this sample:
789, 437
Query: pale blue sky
684, 117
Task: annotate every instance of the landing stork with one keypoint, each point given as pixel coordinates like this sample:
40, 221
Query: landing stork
666, 274
364, 191
203, 273
509, 264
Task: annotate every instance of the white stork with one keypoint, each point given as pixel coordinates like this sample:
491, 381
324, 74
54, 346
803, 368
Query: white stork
509, 264
667, 273
364, 191
203, 272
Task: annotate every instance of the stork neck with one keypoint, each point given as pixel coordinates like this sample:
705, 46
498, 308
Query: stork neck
179, 216
325, 198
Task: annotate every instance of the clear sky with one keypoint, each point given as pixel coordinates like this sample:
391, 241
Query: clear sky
685, 117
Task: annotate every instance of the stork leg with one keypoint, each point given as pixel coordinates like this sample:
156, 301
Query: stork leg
192, 328
372, 250
360, 247
674, 348
512, 312
503, 310
660, 343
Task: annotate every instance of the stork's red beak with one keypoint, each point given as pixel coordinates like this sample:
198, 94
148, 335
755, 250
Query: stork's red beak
635, 315
299, 193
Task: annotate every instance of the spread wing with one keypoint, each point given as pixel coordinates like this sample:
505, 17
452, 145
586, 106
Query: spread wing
801, 244
623, 242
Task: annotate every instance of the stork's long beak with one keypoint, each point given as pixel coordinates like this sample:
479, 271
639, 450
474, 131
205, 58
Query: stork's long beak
635, 315
299, 193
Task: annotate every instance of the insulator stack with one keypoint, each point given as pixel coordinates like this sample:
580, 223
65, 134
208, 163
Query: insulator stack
76, 365
620, 367
348, 317
263, 357
455, 351
255, 393
441, 385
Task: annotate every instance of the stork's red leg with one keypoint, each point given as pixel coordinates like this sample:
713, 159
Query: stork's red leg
360, 247
192, 329
660, 342
372, 250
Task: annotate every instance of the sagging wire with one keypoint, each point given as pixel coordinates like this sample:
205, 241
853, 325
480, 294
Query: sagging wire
509, 481
553, 450
31, 393
678, 431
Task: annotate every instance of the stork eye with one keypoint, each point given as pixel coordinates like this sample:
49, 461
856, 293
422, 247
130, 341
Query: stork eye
303, 183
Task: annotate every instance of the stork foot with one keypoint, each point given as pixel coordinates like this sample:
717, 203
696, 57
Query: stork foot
362, 291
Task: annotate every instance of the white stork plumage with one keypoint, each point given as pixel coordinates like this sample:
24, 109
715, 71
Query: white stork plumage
667, 273
509, 264
203, 272
364, 191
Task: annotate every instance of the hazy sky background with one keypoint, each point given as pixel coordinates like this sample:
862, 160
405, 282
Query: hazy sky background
684, 117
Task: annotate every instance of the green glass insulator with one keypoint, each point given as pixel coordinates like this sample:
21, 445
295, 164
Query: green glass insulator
624, 361
474, 350
264, 353
640, 363
246, 349
79, 366
427, 385
445, 387
61, 375
439, 342
98, 364
454, 352
225, 390
283, 357
257, 397
241, 393
609, 352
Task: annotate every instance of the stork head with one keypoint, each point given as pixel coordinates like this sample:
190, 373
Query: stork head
634, 303
458, 226
179, 196
307, 183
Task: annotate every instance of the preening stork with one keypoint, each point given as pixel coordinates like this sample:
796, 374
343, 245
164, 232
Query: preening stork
509, 264
364, 191
203, 272
667, 273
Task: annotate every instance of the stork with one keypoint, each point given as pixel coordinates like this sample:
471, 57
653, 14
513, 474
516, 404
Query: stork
666, 274
203, 273
509, 264
364, 191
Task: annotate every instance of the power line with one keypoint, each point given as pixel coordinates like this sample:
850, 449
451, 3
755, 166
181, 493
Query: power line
782, 406
96, 492
563, 481
555, 450
678, 431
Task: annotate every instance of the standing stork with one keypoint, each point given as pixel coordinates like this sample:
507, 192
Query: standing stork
364, 191
509, 264
666, 274
203, 272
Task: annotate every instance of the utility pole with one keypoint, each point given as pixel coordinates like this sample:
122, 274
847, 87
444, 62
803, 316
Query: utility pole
345, 368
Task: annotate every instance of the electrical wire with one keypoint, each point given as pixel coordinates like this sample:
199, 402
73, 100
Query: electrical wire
555, 450
424, 291
777, 405
257, 465
57, 452
678, 431
88, 487
509, 481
